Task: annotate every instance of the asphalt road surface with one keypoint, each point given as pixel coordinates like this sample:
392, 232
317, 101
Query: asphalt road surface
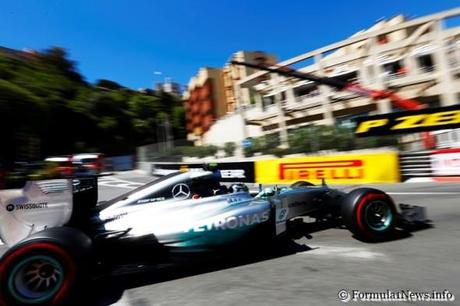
307, 271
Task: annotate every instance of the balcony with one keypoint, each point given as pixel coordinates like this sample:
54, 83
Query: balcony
255, 113
306, 102
337, 96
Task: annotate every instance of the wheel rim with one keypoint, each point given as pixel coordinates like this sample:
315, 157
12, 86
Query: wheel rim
36, 279
378, 215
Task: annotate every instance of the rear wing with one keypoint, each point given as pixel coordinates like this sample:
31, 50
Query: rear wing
85, 196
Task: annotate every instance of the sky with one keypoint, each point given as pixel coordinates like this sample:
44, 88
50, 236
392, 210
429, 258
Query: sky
128, 41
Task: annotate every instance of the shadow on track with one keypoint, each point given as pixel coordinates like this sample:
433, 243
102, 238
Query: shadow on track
109, 290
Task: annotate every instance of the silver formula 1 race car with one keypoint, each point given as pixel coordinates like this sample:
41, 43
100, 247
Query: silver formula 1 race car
59, 235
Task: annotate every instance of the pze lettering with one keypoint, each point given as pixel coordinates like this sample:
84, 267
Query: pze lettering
425, 120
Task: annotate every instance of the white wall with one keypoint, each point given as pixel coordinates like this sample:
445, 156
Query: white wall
230, 129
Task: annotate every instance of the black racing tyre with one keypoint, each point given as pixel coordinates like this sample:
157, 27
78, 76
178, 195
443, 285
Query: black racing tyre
370, 214
301, 184
42, 270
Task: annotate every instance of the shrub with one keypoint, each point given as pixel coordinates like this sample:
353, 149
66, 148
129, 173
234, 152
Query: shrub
229, 148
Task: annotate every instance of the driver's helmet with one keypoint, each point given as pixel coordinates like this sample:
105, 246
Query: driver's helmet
239, 187
269, 191
266, 192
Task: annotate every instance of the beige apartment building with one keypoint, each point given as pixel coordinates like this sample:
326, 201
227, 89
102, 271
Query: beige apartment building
210, 94
233, 74
418, 59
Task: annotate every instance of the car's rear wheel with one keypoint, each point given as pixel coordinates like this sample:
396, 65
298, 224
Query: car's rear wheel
369, 213
42, 270
37, 274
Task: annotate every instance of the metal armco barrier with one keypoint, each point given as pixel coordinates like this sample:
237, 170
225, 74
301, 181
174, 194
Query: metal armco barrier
435, 164
415, 164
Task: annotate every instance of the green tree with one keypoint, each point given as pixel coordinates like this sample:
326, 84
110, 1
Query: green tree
48, 108
229, 148
21, 120
108, 84
178, 122
145, 111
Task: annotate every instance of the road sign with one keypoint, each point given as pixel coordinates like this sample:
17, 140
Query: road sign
246, 143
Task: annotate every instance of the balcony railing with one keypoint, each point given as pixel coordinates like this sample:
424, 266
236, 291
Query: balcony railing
312, 94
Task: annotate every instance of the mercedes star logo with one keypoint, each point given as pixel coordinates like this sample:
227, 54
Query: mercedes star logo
181, 191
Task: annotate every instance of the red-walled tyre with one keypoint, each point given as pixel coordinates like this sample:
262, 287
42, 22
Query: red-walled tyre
40, 271
370, 214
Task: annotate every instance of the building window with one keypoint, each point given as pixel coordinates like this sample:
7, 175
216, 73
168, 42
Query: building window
395, 69
306, 91
283, 96
382, 39
455, 133
349, 77
425, 62
434, 104
267, 101
346, 122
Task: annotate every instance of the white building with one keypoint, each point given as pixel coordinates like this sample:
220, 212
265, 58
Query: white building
419, 59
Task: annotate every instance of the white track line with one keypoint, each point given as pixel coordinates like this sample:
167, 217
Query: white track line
114, 179
119, 183
350, 252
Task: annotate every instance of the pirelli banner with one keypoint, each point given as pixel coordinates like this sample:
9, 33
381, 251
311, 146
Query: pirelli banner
409, 121
380, 167
230, 171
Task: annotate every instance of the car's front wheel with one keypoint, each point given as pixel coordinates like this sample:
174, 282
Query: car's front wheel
369, 213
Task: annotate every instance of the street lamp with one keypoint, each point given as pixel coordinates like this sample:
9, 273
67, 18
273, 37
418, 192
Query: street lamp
165, 128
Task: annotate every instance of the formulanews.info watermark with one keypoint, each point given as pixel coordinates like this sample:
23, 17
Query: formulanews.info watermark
403, 295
